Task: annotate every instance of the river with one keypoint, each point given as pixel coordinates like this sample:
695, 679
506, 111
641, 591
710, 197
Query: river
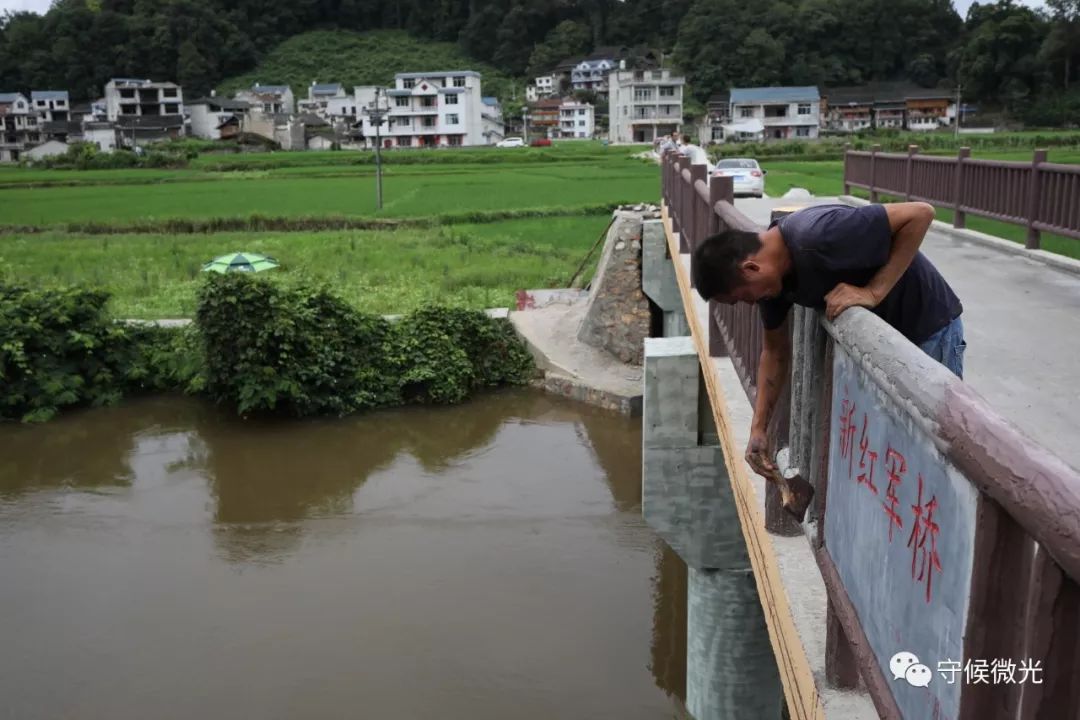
164, 559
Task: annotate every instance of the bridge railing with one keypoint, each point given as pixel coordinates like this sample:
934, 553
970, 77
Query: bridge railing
939, 528
1040, 196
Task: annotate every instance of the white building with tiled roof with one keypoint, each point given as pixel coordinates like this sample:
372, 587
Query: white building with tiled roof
428, 109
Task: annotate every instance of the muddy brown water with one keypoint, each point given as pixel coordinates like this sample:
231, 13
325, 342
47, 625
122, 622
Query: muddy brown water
165, 560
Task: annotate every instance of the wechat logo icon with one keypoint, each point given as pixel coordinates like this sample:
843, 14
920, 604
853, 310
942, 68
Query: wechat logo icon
906, 666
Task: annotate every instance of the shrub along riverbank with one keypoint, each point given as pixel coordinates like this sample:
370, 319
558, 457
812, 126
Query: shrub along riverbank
258, 346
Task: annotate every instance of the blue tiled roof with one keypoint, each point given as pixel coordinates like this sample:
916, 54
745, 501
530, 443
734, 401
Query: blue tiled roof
8, 97
49, 95
488, 100
276, 89
808, 93
326, 89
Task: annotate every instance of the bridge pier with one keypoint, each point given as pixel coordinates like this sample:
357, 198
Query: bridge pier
658, 279
687, 498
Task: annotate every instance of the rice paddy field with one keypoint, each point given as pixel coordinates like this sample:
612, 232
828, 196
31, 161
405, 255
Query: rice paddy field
463, 228
466, 227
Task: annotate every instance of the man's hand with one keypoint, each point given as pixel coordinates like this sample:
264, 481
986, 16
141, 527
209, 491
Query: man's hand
843, 296
757, 454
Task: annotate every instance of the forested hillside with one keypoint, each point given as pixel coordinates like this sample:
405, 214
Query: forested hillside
353, 58
1002, 53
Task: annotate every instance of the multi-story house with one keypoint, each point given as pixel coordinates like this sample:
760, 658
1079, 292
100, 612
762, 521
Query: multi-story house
784, 112
592, 74
645, 104
428, 109
269, 99
144, 110
217, 118
53, 109
848, 109
930, 108
329, 100
576, 119
19, 127
717, 115
544, 86
544, 117
895, 105
51, 105
491, 116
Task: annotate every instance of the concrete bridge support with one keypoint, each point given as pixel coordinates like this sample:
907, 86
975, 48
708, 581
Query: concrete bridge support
688, 500
658, 279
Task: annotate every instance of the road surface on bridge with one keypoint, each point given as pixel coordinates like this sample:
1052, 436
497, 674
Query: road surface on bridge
1021, 323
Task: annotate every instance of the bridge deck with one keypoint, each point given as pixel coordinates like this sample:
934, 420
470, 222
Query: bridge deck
1022, 354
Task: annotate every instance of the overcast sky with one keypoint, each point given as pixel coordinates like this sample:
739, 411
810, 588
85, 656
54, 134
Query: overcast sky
43, 5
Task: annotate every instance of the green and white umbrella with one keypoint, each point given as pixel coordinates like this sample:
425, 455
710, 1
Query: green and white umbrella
241, 262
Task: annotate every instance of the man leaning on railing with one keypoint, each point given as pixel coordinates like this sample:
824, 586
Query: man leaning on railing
831, 257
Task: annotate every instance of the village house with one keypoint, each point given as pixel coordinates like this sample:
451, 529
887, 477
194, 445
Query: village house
645, 104
717, 115
428, 109
544, 117
576, 119
100, 133
783, 112
329, 101
217, 118
269, 99
895, 105
51, 105
543, 86
592, 75
491, 115
145, 111
19, 126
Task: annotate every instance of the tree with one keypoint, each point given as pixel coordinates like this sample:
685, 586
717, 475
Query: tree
193, 72
511, 45
1062, 44
998, 60
566, 39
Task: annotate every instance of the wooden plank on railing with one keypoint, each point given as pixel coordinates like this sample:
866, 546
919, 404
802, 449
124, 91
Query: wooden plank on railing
996, 624
1053, 652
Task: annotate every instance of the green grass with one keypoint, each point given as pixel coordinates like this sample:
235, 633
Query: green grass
456, 245
155, 276
411, 194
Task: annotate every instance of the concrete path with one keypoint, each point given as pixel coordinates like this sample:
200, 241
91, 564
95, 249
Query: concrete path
1021, 322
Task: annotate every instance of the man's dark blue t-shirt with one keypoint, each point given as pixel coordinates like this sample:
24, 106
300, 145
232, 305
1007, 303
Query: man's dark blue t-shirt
831, 244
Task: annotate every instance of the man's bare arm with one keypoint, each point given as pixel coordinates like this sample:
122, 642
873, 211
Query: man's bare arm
908, 222
774, 368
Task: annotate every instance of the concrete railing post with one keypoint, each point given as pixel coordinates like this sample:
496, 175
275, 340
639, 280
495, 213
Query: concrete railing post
874, 150
658, 279
731, 672
959, 216
1033, 240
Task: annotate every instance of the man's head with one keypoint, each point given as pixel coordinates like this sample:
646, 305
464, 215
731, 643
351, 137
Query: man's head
686, 139
730, 267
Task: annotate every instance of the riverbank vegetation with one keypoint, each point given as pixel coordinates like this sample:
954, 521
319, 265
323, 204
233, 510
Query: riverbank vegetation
259, 345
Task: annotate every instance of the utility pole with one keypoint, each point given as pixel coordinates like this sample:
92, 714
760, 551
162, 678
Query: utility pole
959, 110
377, 114
525, 124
